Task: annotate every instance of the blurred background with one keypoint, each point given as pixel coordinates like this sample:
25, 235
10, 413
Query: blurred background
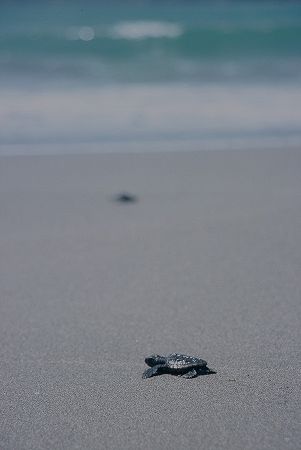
104, 76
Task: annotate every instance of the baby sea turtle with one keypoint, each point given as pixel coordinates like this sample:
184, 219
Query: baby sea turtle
176, 364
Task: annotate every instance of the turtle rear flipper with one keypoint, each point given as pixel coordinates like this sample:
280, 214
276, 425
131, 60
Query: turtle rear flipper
191, 374
210, 371
156, 370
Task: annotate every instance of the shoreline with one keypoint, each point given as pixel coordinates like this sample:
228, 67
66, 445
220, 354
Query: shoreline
150, 118
184, 146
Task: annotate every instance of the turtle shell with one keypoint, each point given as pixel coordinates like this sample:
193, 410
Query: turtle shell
176, 361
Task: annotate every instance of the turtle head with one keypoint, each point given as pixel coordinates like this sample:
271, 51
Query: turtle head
154, 360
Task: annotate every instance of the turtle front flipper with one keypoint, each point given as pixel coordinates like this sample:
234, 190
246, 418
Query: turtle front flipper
156, 370
191, 374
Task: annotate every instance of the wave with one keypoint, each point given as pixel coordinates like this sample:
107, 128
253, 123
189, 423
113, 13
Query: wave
140, 45
136, 30
146, 30
137, 38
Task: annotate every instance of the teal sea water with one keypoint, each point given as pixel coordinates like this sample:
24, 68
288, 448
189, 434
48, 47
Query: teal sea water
206, 72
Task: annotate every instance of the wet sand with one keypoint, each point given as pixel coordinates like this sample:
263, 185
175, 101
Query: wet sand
206, 262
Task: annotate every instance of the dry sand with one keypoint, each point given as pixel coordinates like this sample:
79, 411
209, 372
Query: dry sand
207, 262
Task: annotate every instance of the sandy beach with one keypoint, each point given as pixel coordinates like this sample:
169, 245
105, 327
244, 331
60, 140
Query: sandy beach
206, 263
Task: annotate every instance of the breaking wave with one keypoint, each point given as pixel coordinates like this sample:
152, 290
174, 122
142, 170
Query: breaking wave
146, 30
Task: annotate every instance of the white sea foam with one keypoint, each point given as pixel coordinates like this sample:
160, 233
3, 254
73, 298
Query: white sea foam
145, 30
208, 116
82, 33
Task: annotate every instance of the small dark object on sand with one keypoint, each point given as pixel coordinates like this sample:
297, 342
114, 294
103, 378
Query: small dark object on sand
176, 364
125, 197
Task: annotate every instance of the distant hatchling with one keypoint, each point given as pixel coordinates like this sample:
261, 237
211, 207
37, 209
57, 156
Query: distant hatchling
176, 364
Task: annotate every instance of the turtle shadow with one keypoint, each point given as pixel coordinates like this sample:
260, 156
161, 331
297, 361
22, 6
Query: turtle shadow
125, 198
199, 373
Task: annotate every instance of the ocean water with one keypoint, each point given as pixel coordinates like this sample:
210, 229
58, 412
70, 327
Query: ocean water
149, 75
